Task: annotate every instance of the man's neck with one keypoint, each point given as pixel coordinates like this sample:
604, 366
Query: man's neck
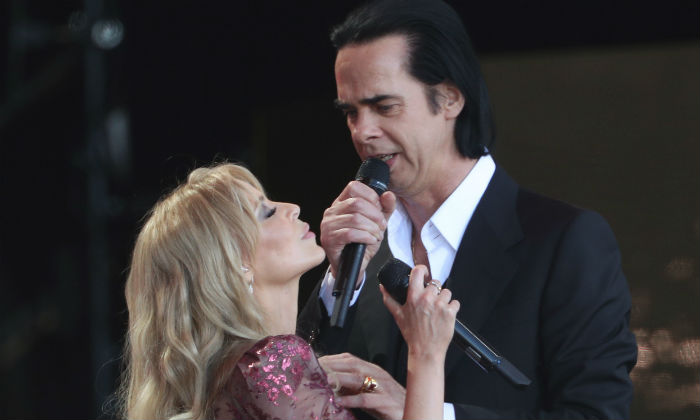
421, 207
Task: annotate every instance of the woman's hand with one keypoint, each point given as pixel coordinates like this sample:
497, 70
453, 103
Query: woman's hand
427, 318
427, 323
348, 372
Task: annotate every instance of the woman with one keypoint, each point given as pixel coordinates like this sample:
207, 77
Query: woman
212, 300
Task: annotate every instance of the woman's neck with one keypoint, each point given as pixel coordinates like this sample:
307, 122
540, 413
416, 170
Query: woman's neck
280, 304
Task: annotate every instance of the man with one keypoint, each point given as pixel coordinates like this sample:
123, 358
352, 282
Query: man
538, 279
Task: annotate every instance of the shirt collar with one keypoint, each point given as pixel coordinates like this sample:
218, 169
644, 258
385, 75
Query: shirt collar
451, 218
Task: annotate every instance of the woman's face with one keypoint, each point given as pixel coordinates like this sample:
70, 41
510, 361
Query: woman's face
286, 247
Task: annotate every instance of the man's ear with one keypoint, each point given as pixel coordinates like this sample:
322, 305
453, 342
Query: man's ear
452, 100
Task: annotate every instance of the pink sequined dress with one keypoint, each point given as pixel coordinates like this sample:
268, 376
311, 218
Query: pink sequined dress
278, 378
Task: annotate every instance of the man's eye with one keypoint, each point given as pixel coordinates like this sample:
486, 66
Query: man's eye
349, 113
386, 108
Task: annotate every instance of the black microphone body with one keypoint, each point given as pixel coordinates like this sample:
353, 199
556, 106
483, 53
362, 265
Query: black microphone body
374, 173
394, 276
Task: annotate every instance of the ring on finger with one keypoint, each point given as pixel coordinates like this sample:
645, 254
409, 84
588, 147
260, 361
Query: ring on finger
368, 385
436, 284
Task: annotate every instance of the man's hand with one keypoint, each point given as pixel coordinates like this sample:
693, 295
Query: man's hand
358, 215
385, 402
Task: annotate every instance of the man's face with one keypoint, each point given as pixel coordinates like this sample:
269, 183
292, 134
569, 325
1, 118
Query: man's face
389, 116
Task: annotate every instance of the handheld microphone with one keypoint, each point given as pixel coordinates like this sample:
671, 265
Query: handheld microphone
374, 173
394, 276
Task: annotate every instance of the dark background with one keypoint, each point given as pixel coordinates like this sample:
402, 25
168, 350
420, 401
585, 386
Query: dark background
596, 103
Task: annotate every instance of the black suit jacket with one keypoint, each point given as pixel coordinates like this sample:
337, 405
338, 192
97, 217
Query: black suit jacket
541, 281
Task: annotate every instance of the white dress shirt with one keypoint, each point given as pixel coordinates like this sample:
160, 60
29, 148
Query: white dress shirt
441, 234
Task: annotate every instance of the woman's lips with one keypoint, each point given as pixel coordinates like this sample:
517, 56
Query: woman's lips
307, 233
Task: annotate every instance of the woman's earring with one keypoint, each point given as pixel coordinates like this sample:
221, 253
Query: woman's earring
252, 279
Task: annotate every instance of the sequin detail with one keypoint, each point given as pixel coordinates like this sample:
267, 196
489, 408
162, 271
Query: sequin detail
279, 377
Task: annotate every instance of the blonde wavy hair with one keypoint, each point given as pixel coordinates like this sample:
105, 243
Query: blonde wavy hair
190, 309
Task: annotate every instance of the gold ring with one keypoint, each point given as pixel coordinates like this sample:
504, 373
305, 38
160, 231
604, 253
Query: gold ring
368, 385
436, 284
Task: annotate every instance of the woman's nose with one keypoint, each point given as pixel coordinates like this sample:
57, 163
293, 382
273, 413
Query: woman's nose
294, 210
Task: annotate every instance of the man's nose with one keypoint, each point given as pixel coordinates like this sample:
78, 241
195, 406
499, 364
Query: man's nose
365, 127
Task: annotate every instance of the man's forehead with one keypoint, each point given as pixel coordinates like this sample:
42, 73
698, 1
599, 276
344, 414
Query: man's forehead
370, 87
379, 55
369, 70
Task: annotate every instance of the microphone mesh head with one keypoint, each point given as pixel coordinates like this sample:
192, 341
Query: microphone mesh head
394, 277
374, 172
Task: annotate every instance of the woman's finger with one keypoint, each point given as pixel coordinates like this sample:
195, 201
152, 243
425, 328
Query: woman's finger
343, 362
347, 383
416, 282
445, 295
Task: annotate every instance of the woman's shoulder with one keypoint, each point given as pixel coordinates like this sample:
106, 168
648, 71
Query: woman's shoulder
287, 354
282, 345
279, 377
274, 369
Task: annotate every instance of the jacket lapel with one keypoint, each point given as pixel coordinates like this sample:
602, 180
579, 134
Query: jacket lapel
378, 328
482, 269
483, 266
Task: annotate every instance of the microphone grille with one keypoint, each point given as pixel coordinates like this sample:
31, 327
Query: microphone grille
394, 276
374, 170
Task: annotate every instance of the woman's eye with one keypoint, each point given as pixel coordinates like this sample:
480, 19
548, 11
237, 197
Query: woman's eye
270, 212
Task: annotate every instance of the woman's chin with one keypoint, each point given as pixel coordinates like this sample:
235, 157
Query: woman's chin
319, 258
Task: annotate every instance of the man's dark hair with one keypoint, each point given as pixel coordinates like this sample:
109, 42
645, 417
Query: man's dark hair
439, 51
